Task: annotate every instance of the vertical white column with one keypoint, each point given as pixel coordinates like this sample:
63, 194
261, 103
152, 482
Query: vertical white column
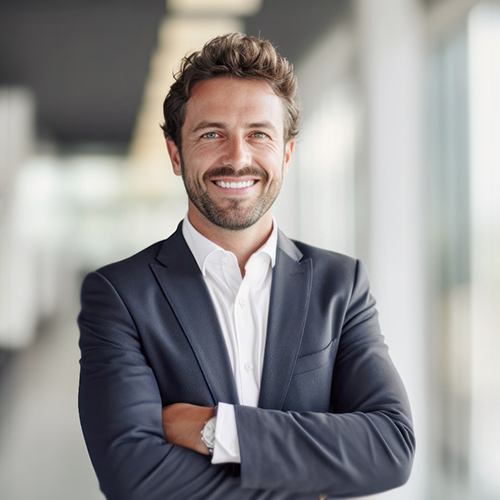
484, 100
17, 314
16, 133
391, 36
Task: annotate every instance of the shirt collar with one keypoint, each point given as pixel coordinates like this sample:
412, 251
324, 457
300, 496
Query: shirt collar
201, 247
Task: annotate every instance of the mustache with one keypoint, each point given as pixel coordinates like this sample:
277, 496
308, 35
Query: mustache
228, 171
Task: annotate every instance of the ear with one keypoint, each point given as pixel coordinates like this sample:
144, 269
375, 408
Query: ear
287, 157
175, 156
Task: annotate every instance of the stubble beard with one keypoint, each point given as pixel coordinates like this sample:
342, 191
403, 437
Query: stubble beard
235, 214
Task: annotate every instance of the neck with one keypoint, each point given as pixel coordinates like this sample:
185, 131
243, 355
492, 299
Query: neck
242, 242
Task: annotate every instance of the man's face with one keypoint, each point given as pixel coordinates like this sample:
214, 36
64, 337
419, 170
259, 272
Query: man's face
233, 156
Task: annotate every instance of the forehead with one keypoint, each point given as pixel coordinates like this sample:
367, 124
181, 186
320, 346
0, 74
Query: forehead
234, 100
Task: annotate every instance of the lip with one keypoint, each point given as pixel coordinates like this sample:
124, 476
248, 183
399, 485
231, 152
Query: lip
234, 179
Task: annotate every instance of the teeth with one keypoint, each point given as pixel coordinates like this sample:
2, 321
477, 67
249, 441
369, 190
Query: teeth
234, 185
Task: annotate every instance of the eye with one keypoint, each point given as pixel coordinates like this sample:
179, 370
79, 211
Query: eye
259, 135
210, 135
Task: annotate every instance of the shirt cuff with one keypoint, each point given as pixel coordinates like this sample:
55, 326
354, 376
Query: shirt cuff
226, 447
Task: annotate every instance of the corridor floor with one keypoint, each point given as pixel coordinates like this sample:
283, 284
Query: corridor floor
42, 453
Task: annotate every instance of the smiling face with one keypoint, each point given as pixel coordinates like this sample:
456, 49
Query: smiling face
233, 156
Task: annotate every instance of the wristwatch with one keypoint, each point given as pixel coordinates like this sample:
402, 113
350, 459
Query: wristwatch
208, 434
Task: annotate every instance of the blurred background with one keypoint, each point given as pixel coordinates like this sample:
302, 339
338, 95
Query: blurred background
398, 163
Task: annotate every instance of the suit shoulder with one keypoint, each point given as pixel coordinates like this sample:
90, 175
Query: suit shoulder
310, 251
330, 259
131, 266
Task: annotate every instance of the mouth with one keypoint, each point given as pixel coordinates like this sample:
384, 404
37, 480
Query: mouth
225, 184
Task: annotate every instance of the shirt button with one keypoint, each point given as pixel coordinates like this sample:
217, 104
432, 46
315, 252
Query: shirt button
242, 302
248, 367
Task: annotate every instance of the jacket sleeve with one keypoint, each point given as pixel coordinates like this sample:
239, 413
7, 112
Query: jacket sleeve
364, 445
120, 411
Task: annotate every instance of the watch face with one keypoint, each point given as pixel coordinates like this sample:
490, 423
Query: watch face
208, 434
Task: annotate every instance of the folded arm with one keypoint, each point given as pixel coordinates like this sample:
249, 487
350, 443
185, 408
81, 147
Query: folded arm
365, 444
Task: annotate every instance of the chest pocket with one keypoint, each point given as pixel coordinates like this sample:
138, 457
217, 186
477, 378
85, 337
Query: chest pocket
316, 359
310, 387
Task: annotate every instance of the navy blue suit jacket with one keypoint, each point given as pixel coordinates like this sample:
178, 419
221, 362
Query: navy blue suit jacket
333, 416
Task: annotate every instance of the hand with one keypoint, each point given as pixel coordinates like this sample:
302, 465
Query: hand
182, 424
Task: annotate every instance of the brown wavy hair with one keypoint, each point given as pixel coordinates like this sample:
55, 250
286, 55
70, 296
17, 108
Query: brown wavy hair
237, 55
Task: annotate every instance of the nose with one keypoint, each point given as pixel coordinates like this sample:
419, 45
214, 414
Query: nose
237, 153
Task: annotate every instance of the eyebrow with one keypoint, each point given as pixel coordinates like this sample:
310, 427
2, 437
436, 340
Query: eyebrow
206, 124
265, 125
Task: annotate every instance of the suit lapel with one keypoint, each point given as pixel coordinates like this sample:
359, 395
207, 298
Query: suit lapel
183, 286
290, 294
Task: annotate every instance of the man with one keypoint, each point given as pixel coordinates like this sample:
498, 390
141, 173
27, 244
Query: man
229, 361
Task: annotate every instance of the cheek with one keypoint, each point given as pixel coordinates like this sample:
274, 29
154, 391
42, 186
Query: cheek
272, 161
201, 159
193, 167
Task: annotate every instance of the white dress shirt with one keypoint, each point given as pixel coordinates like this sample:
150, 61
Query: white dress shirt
242, 306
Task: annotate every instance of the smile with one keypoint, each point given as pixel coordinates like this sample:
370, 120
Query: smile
235, 185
